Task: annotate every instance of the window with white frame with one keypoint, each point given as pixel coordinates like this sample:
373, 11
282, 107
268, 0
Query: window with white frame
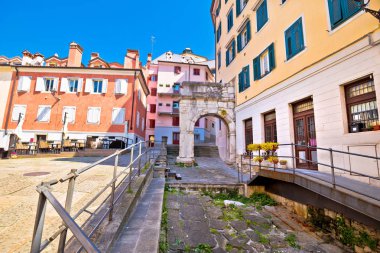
240, 5
43, 114
69, 113
121, 86
49, 84
244, 36
73, 85
93, 115
264, 63
118, 116
18, 110
98, 86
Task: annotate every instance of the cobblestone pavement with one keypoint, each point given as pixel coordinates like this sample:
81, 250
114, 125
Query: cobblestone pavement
208, 171
18, 197
195, 221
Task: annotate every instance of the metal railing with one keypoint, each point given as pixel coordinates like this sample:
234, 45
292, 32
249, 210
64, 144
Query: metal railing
294, 170
125, 177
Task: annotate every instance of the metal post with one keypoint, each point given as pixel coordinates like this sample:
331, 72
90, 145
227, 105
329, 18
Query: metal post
130, 170
332, 167
39, 223
250, 165
293, 158
260, 160
68, 204
113, 187
140, 155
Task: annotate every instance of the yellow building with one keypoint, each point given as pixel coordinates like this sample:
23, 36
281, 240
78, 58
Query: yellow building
306, 72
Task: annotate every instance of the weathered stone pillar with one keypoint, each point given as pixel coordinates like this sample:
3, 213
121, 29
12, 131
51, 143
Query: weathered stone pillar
232, 147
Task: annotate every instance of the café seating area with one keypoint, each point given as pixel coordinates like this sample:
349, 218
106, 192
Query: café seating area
49, 146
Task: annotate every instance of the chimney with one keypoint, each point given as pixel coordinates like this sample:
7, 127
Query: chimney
149, 59
75, 55
131, 59
94, 55
26, 58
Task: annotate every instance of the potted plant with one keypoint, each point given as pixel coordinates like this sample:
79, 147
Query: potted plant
258, 159
274, 160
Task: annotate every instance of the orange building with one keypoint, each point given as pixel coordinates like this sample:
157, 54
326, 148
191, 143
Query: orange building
102, 100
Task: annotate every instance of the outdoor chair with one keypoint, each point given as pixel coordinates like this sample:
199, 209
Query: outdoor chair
67, 145
22, 149
43, 146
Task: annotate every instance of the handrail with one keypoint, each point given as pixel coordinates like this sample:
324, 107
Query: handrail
331, 165
126, 177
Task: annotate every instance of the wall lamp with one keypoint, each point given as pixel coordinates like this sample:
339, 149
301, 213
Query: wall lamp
364, 4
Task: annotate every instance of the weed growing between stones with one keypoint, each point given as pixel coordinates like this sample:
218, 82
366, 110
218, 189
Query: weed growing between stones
163, 244
203, 248
291, 239
232, 213
143, 170
263, 239
256, 199
214, 231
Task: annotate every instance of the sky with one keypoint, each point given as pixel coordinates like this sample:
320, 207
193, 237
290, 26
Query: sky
108, 27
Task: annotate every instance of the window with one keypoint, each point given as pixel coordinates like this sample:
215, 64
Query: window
244, 36
118, 116
196, 72
98, 86
159, 104
137, 119
168, 105
341, 10
24, 83
73, 85
175, 121
43, 114
262, 15
218, 8
244, 79
153, 78
219, 60
152, 123
219, 32
264, 63
49, 84
283, 1
121, 86
230, 19
240, 5
248, 132
176, 88
176, 107
93, 115
177, 70
153, 92
361, 104
270, 129
69, 111
17, 110
294, 40
152, 108
213, 125
231, 53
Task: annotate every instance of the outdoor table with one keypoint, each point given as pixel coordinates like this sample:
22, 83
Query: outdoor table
55, 147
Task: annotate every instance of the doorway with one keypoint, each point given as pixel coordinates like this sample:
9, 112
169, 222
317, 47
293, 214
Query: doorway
305, 135
176, 138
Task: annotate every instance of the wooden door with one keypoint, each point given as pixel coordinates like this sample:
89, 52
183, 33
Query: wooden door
176, 138
305, 135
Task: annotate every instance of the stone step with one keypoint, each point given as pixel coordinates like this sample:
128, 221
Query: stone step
142, 231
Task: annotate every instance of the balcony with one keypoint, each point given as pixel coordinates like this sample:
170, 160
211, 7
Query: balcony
172, 93
173, 112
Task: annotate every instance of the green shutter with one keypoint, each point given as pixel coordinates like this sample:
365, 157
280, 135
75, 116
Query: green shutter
227, 57
247, 79
352, 7
272, 59
256, 68
249, 30
335, 9
262, 15
237, 8
299, 30
240, 81
239, 42
233, 49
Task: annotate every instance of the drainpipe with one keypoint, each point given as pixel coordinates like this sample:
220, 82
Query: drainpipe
215, 52
133, 102
10, 103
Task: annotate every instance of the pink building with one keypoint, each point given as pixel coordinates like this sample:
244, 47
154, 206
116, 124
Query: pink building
166, 74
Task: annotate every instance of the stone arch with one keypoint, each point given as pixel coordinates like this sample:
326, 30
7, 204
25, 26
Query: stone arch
200, 100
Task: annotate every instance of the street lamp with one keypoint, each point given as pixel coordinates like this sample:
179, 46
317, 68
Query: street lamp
364, 4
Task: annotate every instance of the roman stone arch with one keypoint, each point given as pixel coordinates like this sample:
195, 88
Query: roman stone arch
205, 99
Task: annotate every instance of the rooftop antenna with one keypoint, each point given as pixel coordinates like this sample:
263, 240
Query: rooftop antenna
152, 40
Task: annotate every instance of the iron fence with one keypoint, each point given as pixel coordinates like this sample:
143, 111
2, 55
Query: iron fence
246, 159
126, 177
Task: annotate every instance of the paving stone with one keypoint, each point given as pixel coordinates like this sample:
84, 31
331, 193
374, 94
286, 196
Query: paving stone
252, 235
219, 250
239, 225
217, 224
214, 212
193, 212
